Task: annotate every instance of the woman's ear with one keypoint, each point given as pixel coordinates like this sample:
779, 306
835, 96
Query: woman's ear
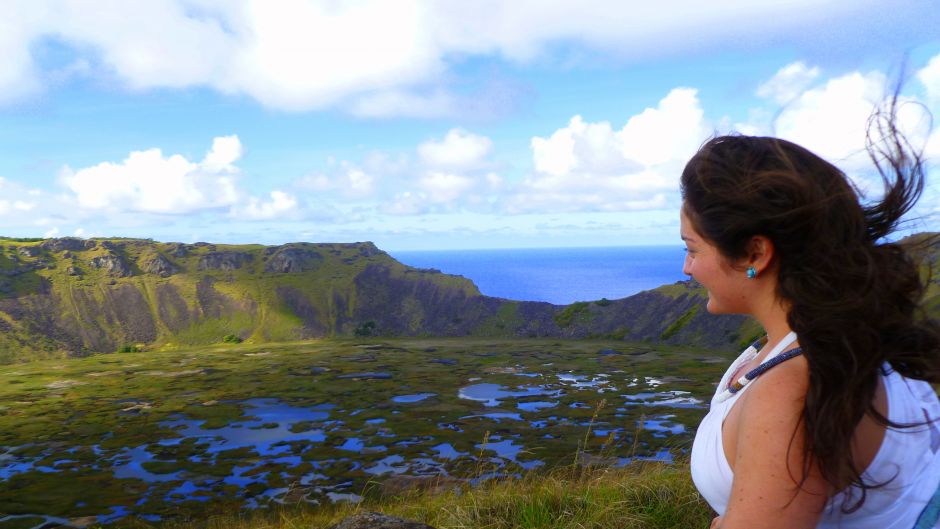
760, 253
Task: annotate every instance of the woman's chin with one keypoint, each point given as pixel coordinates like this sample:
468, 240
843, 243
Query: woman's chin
714, 307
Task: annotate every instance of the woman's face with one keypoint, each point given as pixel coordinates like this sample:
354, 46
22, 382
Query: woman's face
726, 286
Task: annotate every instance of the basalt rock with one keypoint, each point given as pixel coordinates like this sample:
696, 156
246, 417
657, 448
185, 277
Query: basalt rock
179, 250
159, 265
375, 520
72, 244
29, 251
225, 261
112, 263
293, 259
369, 249
108, 245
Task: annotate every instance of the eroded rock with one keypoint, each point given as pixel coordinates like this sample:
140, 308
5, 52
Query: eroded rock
73, 244
369, 249
225, 261
159, 265
112, 263
293, 259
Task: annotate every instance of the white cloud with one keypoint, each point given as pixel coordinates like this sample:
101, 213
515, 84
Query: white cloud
15, 206
226, 150
459, 149
281, 205
406, 203
789, 82
445, 187
929, 75
375, 57
832, 120
16, 199
147, 181
351, 181
591, 166
399, 103
673, 130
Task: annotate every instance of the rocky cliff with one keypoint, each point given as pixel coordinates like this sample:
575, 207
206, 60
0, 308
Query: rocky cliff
73, 296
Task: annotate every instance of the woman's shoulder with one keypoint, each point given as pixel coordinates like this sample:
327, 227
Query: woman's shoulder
780, 389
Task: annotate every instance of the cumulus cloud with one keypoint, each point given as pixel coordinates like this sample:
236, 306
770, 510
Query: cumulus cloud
929, 75
789, 82
15, 199
445, 187
279, 206
350, 181
15, 206
374, 57
459, 149
832, 120
591, 166
225, 151
147, 181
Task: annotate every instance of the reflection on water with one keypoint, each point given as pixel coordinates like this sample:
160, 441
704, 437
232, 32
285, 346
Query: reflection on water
491, 394
417, 397
673, 399
286, 453
267, 431
536, 405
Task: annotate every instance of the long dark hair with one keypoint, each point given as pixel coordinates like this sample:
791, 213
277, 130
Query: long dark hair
854, 298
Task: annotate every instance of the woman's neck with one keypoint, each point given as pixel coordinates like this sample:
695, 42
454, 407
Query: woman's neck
772, 316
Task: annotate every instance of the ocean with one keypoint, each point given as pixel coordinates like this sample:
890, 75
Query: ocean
558, 275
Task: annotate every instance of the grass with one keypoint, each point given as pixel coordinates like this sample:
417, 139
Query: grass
577, 311
642, 495
677, 325
118, 401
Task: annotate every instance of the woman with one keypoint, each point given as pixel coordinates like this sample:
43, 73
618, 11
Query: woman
835, 423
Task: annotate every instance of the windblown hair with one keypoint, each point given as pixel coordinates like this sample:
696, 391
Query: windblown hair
854, 299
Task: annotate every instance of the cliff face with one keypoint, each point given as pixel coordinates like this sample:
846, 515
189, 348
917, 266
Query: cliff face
74, 297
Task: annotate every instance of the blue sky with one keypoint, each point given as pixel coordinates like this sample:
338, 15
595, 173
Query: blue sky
428, 124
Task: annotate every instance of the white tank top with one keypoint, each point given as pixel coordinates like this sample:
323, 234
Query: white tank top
911, 456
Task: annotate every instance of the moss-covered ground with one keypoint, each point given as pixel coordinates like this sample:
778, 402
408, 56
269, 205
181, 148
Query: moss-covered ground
134, 438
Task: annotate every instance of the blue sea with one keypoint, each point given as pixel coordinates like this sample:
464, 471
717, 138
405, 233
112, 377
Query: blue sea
558, 275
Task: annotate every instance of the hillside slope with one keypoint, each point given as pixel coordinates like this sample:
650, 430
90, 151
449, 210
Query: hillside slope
74, 297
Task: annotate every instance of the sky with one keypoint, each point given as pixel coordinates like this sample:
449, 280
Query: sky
430, 125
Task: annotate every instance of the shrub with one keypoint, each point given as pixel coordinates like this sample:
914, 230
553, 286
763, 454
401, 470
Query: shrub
366, 329
576, 311
231, 338
129, 349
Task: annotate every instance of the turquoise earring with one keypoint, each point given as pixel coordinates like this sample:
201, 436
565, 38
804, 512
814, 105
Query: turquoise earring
751, 272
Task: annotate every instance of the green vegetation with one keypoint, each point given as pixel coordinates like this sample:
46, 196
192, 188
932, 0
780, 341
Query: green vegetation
648, 496
21, 239
366, 329
677, 290
577, 311
137, 400
677, 325
231, 338
129, 349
